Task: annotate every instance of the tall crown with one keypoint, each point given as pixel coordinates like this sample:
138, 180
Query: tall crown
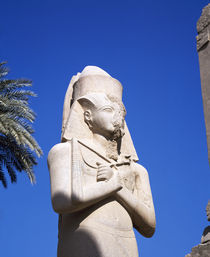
93, 79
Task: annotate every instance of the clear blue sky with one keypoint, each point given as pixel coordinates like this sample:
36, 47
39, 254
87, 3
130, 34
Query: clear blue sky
150, 47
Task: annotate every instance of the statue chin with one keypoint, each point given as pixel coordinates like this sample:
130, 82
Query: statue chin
118, 133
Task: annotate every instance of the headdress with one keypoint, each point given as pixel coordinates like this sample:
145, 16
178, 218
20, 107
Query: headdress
91, 80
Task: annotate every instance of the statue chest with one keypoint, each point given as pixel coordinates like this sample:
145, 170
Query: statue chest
125, 172
89, 160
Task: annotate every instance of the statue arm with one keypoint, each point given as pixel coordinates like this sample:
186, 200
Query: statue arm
66, 197
139, 203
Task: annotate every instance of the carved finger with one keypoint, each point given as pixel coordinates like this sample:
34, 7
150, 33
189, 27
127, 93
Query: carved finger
102, 170
103, 167
101, 173
101, 177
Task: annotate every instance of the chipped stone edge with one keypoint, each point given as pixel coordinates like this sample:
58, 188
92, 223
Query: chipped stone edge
203, 28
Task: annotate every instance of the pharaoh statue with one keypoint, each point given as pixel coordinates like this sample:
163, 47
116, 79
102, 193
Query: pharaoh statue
97, 187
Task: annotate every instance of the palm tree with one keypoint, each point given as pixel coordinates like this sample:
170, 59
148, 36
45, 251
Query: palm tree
17, 145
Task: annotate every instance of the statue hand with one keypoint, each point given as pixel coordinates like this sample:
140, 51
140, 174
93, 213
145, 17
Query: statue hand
105, 172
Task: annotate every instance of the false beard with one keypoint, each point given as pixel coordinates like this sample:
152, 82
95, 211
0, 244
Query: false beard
117, 133
113, 148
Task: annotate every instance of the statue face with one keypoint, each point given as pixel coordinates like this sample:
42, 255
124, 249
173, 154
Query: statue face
108, 121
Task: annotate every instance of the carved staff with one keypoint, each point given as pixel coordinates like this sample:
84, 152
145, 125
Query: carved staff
76, 182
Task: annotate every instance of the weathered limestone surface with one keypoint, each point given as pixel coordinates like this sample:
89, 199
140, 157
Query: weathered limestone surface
203, 48
200, 251
203, 249
97, 187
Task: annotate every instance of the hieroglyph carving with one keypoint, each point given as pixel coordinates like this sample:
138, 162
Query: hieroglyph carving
98, 189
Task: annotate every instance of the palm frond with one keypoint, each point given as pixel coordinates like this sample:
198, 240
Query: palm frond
17, 144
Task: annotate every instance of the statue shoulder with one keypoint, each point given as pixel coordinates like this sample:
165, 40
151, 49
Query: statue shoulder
140, 170
59, 152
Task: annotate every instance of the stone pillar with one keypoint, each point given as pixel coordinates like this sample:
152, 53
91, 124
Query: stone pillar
203, 48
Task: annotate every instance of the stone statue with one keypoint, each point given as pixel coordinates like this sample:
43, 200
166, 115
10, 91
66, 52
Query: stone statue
97, 187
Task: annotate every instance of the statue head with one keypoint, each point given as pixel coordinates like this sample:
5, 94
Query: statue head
93, 105
103, 116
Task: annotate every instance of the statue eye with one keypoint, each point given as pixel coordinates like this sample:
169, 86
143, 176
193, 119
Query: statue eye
107, 109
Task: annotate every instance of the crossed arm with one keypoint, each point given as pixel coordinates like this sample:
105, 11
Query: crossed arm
68, 195
139, 203
67, 192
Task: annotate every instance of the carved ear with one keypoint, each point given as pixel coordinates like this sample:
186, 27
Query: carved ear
88, 118
86, 103
93, 100
87, 106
